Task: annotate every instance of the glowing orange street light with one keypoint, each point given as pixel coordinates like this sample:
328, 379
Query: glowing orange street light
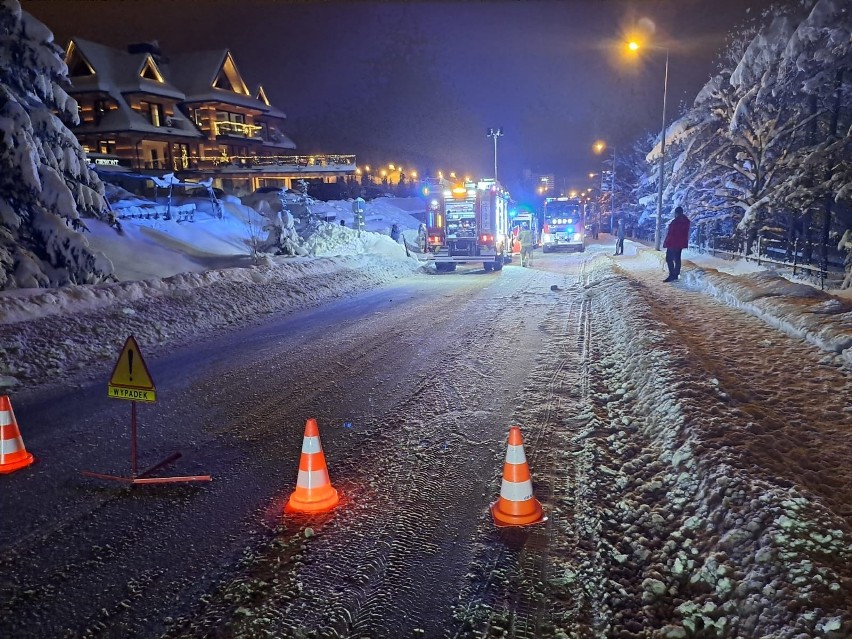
634, 46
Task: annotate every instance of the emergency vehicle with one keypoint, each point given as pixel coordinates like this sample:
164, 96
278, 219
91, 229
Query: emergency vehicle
469, 223
564, 224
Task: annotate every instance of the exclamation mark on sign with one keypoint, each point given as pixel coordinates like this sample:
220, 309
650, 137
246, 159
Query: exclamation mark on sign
130, 362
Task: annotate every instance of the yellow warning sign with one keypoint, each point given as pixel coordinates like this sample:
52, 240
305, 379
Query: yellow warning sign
130, 378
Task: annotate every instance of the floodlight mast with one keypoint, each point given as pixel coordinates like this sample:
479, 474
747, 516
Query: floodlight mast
495, 133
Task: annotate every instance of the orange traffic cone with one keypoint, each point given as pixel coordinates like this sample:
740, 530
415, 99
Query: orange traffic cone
13, 455
313, 493
516, 506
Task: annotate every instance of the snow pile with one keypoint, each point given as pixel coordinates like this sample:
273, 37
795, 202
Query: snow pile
333, 239
184, 279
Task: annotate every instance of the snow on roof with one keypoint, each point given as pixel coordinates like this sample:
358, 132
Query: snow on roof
195, 73
119, 70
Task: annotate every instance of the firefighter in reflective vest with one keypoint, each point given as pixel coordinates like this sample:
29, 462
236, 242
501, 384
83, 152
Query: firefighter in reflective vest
526, 239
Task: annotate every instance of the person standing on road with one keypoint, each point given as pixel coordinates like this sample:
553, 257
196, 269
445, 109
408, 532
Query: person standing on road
526, 239
395, 233
677, 239
619, 242
422, 238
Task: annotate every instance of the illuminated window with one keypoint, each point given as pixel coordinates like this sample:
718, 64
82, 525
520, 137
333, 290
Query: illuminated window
228, 78
153, 111
150, 71
78, 66
222, 82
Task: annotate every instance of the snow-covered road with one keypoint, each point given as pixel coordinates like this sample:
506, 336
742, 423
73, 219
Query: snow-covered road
690, 457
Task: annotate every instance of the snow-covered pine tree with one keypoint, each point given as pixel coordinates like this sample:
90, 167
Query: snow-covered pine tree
815, 66
746, 139
635, 195
46, 186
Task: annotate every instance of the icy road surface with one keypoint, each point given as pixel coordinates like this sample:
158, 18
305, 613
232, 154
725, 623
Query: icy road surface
693, 462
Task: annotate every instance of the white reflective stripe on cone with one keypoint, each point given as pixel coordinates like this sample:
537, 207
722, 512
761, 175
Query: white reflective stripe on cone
5, 417
515, 455
316, 478
9, 446
516, 490
311, 445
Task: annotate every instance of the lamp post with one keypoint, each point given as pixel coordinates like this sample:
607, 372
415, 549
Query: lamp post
495, 133
662, 159
635, 46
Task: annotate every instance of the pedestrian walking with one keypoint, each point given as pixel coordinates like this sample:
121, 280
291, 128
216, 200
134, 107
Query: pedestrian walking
619, 234
677, 239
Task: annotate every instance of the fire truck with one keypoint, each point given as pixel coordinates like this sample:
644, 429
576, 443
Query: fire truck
469, 223
564, 224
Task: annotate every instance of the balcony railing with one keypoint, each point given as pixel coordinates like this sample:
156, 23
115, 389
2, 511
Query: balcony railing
239, 129
306, 162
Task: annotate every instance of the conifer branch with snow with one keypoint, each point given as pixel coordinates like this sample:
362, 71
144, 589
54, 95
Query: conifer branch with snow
46, 184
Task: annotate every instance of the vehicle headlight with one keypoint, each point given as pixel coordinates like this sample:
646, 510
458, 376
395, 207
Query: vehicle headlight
545, 237
578, 237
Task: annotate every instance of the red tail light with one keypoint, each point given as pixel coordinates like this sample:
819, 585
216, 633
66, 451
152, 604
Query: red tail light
485, 239
546, 228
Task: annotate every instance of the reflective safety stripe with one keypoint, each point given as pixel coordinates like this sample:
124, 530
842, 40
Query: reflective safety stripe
311, 445
5, 417
9, 446
312, 478
515, 455
516, 491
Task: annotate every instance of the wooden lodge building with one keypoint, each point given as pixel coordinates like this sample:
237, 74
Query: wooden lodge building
189, 114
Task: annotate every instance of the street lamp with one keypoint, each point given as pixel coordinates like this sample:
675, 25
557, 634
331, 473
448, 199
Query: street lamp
495, 133
634, 46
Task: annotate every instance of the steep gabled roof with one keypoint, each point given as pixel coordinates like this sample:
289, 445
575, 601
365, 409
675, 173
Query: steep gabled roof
113, 69
211, 76
260, 94
271, 111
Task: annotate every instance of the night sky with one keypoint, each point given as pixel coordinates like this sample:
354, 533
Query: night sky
419, 83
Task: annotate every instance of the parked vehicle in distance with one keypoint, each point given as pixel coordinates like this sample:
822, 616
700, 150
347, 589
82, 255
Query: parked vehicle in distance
564, 225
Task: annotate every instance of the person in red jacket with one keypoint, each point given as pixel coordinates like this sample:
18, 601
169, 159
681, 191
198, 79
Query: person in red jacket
677, 239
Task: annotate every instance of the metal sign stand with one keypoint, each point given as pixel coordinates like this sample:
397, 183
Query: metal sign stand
123, 386
141, 478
